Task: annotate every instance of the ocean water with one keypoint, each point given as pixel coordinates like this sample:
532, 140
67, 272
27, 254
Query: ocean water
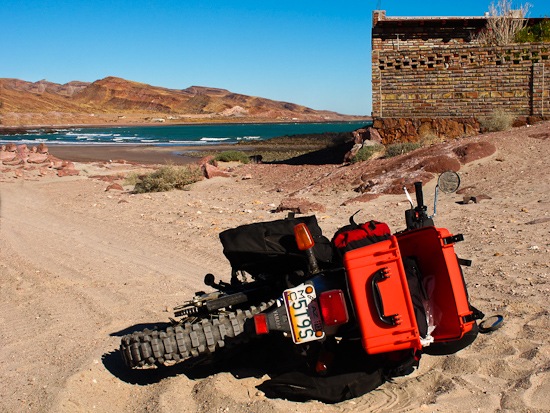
177, 135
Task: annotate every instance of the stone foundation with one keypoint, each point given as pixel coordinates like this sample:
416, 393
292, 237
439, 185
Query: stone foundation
394, 130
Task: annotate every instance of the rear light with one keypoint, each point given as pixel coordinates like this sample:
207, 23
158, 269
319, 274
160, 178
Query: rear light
260, 323
333, 307
303, 237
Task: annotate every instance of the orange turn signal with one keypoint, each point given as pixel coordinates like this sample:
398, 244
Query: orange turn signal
303, 237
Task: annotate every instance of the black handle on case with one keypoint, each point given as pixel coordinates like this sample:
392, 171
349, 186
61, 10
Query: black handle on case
378, 276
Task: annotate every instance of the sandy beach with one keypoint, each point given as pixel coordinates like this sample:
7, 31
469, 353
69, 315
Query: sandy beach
81, 266
146, 154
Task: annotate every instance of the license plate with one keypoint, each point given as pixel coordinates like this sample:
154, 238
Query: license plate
303, 314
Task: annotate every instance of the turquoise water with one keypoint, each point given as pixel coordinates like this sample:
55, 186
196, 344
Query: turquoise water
178, 135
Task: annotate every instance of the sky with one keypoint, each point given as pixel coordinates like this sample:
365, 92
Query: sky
312, 53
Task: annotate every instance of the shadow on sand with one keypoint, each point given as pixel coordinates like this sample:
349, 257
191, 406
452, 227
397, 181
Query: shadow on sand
290, 374
333, 155
270, 355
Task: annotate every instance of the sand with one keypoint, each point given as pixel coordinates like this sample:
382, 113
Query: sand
146, 154
80, 266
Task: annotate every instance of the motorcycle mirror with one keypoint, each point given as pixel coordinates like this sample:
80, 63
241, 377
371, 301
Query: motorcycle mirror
448, 182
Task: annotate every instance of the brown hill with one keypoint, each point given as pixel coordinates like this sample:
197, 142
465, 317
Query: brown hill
116, 100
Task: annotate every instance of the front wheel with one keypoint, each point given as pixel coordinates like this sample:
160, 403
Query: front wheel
187, 340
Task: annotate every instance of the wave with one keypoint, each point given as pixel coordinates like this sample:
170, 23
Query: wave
173, 142
24, 141
249, 138
95, 135
120, 138
204, 139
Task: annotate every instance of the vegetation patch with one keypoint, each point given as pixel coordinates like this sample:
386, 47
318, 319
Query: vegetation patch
497, 121
367, 152
539, 32
504, 23
132, 179
232, 156
396, 149
166, 178
430, 138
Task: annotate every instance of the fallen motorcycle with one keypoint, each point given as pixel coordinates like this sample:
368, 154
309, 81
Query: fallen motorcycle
393, 297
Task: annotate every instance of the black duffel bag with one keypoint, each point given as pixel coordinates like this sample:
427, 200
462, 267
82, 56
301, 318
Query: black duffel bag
270, 247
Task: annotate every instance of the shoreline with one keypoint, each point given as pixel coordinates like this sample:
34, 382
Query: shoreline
160, 152
145, 154
15, 130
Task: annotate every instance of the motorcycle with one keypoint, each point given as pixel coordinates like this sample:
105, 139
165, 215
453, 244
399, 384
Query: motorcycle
395, 296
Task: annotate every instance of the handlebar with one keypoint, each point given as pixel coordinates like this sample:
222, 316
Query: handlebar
419, 194
416, 217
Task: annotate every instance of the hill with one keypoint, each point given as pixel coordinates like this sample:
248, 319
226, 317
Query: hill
115, 100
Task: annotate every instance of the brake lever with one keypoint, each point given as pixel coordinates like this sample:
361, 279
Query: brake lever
408, 197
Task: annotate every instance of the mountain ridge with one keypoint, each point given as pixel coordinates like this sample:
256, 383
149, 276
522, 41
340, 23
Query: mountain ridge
117, 100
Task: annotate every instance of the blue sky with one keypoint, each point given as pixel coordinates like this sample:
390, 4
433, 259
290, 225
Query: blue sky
314, 53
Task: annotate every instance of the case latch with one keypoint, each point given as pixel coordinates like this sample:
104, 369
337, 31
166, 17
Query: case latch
452, 239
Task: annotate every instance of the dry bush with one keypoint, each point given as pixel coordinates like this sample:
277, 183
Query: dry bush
503, 23
367, 152
499, 120
396, 149
167, 178
430, 138
232, 156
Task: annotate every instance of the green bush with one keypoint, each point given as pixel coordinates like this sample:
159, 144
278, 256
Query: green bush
367, 152
497, 121
396, 149
539, 32
168, 178
232, 156
132, 179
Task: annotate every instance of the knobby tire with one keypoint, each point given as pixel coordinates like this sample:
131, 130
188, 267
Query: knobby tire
182, 342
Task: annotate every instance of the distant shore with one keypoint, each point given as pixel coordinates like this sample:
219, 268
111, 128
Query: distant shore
146, 154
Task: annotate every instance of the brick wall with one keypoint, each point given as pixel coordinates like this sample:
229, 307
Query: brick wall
421, 69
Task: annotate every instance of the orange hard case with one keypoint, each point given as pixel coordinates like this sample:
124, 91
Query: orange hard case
381, 297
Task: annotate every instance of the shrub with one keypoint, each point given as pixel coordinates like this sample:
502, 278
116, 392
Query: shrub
539, 32
168, 178
396, 149
232, 156
497, 121
131, 179
503, 23
367, 152
429, 139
